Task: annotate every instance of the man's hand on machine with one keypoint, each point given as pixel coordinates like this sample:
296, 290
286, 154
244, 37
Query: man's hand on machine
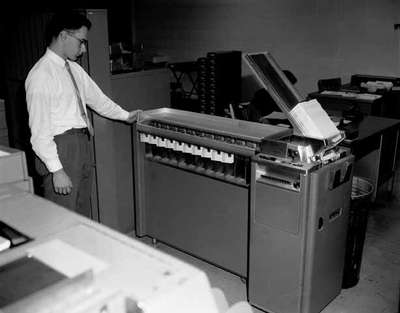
134, 116
61, 182
137, 115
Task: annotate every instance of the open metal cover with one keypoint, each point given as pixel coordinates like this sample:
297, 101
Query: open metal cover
307, 117
272, 78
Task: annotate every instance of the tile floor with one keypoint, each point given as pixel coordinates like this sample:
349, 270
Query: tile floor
379, 285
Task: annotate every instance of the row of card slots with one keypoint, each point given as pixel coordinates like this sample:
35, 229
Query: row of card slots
237, 172
184, 147
204, 134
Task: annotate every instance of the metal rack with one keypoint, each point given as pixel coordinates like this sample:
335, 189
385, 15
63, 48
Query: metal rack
183, 96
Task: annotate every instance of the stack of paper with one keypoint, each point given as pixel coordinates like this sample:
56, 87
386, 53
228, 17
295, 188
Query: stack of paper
4, 243
4, 153
373, 86
313, 121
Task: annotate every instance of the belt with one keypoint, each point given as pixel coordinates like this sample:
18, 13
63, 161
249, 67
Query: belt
77, 131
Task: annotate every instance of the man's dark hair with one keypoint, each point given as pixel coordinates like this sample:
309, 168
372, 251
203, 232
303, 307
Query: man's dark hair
70, 20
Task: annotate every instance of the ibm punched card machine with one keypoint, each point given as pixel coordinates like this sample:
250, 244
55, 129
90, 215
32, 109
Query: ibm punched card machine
267, 203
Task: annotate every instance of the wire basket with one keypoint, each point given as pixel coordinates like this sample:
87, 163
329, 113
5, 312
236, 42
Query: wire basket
361, 188
357, 227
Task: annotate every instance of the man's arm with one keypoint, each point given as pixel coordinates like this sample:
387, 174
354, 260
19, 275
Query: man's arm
101, 103
96, 99
38, 98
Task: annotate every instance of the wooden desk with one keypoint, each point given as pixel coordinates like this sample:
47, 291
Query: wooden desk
391, 97
375, 149
155, 281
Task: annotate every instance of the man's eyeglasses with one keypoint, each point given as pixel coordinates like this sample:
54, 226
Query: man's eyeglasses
81, 41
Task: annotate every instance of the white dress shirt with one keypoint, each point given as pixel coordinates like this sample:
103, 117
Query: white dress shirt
53, 106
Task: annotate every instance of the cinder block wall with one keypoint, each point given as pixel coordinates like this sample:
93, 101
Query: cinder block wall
312, 38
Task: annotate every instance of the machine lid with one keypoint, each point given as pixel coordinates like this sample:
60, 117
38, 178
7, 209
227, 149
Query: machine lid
216, 124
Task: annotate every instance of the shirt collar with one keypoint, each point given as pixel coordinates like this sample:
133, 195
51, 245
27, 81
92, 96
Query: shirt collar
55, 57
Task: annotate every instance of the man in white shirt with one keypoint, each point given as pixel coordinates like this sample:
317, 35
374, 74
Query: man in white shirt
57, 91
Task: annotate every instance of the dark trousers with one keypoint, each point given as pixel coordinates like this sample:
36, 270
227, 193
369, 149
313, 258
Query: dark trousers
74, 151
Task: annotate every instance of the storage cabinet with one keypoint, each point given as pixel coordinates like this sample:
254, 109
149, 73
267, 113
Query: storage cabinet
112, 140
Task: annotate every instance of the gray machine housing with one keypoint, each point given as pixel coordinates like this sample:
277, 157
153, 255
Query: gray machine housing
260, 201
298, 224
194, 203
